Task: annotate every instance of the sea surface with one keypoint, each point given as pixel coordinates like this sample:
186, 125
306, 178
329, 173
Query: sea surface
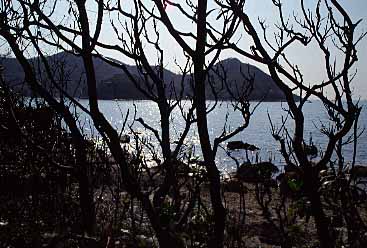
258, 131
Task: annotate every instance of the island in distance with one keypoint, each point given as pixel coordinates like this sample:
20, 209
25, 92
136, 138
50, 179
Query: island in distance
113, 83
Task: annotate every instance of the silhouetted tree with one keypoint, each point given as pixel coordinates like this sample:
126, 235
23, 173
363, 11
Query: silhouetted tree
35, 26
331, 30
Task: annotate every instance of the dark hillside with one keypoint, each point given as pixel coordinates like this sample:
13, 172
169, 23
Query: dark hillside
113, 83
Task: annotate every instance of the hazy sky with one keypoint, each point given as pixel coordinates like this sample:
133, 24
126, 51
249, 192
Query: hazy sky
310, 60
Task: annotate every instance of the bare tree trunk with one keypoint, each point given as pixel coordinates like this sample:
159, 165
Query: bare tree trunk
311, 183
213, 172
86, 192
164, 112
200, 99
165, 238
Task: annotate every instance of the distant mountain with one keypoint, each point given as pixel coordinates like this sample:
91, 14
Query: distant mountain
229, 79
232, 78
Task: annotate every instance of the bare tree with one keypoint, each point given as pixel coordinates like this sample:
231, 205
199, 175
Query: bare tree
330, 30
204, 32
39, 27
7, 32
36, 15
34, 26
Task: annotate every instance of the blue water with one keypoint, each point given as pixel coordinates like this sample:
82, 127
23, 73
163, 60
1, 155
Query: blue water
258, 132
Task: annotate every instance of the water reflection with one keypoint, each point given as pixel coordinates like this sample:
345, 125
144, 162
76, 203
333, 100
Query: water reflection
257, 133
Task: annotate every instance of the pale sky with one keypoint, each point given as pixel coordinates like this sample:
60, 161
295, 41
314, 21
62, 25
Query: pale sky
309, 60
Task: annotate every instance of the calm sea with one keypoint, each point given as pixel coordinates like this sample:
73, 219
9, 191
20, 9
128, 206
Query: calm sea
258, 132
